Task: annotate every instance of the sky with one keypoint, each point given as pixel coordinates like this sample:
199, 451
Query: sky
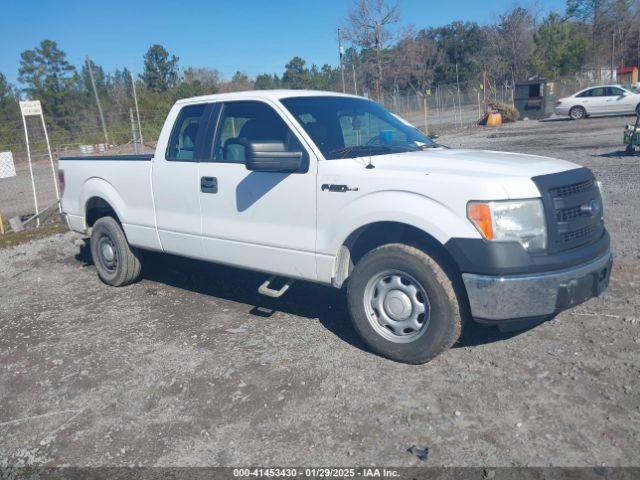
252, 36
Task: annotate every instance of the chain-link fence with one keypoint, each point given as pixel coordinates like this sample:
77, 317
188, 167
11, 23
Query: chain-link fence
19, 195
27, 188
443, 108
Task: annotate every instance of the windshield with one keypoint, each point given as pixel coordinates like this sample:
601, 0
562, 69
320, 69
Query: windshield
346, 127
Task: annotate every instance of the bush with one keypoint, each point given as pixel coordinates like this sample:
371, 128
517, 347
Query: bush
509, 113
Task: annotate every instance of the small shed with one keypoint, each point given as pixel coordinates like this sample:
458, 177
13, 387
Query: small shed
627, 75
535, 99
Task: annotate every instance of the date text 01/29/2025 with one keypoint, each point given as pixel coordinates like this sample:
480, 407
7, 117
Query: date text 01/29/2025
316, 472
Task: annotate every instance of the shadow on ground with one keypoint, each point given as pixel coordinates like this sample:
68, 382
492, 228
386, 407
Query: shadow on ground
618, 154
304, 299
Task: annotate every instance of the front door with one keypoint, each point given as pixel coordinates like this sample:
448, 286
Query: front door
593, 100
260, 220
621, 102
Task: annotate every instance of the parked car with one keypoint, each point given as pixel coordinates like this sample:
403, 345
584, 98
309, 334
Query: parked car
335, 189
603, 100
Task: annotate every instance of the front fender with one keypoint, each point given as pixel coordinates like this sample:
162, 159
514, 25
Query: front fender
410, 208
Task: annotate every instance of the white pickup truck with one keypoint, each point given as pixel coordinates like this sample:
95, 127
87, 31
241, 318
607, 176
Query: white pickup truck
335, 189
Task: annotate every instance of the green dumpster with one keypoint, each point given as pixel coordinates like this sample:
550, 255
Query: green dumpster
535, 99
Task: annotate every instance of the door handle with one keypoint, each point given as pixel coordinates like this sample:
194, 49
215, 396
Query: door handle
209, 185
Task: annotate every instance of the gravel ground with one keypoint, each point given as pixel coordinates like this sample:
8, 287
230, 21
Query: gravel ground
192, 367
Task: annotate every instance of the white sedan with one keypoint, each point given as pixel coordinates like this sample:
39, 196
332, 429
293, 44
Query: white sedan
603, 100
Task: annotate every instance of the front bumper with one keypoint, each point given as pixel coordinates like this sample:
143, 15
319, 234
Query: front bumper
498, 298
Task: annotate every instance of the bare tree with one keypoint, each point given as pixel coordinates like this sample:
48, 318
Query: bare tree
624, 16
206, 76
368, 24
413, 61
513, 42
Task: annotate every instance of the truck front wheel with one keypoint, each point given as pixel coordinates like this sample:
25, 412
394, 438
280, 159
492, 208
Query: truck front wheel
118, 264
403, 304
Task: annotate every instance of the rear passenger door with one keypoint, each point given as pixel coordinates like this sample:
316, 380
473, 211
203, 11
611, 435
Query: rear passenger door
260, 220
176, 184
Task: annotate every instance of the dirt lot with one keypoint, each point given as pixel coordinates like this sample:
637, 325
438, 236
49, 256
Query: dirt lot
192, 367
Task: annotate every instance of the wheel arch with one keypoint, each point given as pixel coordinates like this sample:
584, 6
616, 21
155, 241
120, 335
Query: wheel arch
100, 199
96, 208
375, 234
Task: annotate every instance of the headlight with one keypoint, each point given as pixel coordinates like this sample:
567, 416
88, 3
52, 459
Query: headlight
511, 221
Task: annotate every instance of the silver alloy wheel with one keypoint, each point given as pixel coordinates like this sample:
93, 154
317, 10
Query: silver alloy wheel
397, 306
108, 253
577, 113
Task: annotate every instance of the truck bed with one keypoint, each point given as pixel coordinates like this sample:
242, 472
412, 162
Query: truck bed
123, 180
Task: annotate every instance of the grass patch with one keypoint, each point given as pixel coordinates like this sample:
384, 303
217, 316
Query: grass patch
11, 239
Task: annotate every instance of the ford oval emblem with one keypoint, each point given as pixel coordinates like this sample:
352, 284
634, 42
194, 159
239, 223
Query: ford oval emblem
592, 208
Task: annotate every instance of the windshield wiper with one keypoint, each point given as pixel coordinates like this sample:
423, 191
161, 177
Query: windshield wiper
364, 149
369, 149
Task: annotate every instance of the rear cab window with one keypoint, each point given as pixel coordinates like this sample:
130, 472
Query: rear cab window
187, 132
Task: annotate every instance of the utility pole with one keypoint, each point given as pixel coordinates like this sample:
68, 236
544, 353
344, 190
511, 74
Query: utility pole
638, 50
95, 92
134, 137
485, 87
355, 83
135, 101
458, 89
341, 51
613, 53
379, 61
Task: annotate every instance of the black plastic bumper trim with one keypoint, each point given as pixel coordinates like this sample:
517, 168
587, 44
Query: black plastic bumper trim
479, 256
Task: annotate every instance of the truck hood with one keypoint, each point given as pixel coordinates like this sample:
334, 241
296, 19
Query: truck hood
481, 163
510, 172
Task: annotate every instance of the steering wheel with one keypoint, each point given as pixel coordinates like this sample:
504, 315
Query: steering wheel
373, 141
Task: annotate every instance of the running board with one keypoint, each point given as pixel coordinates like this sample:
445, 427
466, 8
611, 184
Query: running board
270, 292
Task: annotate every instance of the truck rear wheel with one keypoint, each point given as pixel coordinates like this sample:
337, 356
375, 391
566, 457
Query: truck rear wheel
118, 264
403, 304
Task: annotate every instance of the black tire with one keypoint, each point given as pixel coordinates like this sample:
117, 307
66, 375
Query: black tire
118, 264
443, 324
577, 113
638, 110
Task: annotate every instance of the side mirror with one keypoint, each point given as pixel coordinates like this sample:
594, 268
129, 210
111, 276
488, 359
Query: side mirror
268, 156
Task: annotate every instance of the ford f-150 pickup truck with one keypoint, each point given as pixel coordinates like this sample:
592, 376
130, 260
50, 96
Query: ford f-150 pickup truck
335, 189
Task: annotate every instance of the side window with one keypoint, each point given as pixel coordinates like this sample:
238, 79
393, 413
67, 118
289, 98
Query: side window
587, 93
185, 134
246, 121
614, 92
